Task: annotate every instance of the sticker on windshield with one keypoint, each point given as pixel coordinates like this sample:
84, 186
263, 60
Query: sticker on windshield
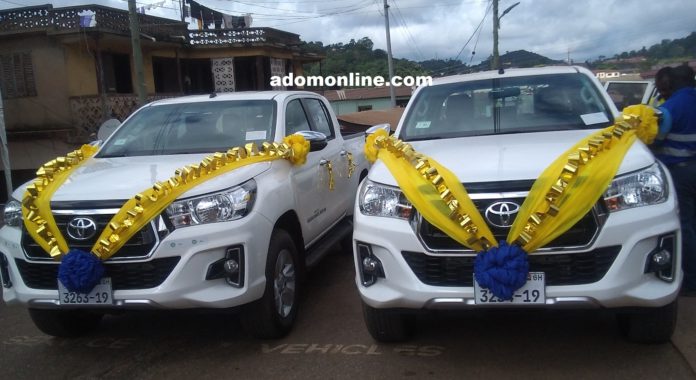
256, 135
423, 124
119, 142
594, 118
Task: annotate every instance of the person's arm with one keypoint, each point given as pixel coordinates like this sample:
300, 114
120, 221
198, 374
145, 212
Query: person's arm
665, 124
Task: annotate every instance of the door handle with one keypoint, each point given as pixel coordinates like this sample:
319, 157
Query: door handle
344, 153
323, 162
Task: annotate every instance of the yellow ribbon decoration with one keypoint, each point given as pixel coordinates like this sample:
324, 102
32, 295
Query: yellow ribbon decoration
351, 164
561, 196
36, 202
329, 169
146, 205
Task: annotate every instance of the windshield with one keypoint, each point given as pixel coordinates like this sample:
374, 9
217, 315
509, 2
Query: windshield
506, 105
192, 128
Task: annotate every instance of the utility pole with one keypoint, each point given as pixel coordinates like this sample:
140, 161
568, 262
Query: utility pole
495, 64
137, 52
496, 25
5, 154
390, 65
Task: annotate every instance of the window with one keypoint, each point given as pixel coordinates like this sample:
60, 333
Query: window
17, 75
319, 116
201, 127
295, 118
506, 105
117, 73
364, 108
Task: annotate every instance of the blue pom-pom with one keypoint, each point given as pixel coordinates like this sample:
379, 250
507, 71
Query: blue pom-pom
502, 269
80, 271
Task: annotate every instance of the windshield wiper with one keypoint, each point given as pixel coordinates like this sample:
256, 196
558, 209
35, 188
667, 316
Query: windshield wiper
423, 138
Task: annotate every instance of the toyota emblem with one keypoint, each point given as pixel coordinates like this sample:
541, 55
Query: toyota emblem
81, 228
502, 214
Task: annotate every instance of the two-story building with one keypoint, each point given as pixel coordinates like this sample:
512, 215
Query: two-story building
65, 70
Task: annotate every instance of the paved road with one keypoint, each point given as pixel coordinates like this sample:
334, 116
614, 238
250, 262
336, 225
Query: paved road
330, 341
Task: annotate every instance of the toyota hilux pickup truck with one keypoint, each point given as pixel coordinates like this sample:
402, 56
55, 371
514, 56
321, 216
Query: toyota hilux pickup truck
496, 132
243, 238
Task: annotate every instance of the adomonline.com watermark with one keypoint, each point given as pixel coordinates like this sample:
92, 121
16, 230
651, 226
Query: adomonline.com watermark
350, 80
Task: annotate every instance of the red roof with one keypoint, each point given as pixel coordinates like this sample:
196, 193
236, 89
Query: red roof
365, 93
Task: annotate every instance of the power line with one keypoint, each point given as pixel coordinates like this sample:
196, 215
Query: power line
475, 30
408, 32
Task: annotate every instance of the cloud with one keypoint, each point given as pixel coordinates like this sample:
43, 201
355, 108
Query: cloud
425, 29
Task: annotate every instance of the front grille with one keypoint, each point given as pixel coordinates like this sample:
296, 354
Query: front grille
124, 276
139, 245
560, 269
580, 235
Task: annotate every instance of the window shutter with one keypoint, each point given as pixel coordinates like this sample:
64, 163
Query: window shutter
28, 71
17, 75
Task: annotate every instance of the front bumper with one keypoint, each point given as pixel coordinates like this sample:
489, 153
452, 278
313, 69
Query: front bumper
197, 248
624, 284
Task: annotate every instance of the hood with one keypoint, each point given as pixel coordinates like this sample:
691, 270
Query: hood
508, 157
122, 177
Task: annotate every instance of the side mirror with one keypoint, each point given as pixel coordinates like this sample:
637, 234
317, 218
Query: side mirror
317, 140
385, 126
96, 143
107, 128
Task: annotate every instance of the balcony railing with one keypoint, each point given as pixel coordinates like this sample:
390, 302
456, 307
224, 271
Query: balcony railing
99, 18
85, 17
216, 37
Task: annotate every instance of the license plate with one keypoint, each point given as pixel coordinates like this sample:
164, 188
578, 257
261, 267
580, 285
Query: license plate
100, 295
533, 292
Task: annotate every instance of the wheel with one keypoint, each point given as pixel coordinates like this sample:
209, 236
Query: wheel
65, 323
387, 325
274, 314
649, 325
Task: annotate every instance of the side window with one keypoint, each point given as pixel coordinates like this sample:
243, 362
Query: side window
295, 118
319, 116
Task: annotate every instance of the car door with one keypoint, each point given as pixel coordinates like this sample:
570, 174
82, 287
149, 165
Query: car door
308, 179
334, 167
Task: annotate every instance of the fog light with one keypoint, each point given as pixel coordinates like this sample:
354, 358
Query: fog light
370, 266
231, 267
662, 260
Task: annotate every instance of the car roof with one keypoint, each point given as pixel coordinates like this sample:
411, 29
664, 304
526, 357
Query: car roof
230, 96
491, 74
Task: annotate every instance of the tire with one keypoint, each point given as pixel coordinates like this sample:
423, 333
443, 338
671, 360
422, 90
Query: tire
274, 314
387, 325
649, 325
65, 323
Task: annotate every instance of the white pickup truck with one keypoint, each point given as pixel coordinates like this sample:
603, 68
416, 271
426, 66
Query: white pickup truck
497, 132
245, 237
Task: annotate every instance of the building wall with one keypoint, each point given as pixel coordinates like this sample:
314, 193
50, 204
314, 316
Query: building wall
50, 107
81, 71
342, 107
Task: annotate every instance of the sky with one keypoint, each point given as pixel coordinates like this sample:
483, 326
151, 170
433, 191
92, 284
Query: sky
427, 29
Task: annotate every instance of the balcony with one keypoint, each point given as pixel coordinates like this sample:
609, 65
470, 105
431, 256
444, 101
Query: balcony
46, 19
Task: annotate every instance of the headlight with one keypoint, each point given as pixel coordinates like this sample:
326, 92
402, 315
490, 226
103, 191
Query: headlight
641, 188
224, 206
380, 200
13, 213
